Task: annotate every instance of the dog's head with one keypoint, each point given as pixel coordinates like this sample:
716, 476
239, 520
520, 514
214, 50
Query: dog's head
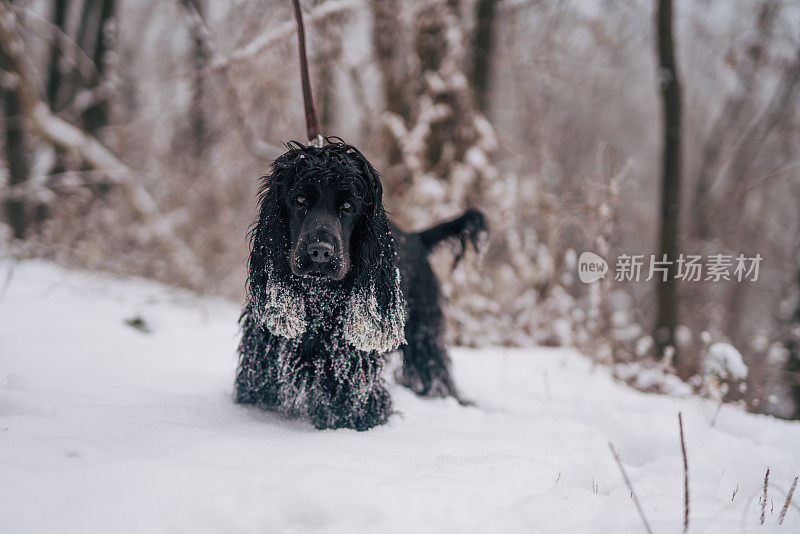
322, 222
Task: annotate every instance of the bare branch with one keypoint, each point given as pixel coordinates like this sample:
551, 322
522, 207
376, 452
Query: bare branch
72, 51
256, 146
284, 31
512, 7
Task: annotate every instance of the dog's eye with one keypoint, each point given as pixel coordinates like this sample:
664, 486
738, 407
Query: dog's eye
300, 201
346, 206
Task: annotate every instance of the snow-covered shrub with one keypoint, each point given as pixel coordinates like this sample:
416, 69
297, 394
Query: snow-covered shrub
724, 362
723, 371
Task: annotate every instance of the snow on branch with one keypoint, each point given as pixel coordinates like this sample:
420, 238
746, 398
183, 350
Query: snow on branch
69, 137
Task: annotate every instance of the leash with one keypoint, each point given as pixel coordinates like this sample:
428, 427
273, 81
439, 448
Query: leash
312, 123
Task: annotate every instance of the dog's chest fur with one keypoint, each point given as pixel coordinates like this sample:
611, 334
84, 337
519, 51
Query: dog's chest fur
321, 357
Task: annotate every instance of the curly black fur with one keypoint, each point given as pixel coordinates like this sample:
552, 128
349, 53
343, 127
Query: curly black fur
315, 347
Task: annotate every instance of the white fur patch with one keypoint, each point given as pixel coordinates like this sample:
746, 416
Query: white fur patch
283, 312
367, 329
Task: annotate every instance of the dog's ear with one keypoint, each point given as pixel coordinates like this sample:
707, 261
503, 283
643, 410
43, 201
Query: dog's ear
271, 299
375, 319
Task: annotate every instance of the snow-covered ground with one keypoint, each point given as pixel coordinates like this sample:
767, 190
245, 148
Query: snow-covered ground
105, 428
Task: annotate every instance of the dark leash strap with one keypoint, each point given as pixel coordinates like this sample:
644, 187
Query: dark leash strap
312, 123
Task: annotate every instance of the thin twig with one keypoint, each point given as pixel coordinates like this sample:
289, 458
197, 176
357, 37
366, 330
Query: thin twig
685, 477
630, 487
10, 275
786, 503
764, 497
716, 413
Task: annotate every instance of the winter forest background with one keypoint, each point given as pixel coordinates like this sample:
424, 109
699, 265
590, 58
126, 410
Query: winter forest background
133, 134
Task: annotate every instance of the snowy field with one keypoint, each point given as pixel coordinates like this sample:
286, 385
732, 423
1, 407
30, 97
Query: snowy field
105, 428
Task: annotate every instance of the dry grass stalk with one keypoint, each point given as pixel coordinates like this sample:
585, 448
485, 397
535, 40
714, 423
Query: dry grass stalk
788, 500
630, 487
716, 413
685, 477
764, 497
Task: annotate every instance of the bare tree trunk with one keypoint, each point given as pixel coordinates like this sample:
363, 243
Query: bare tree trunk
451, 135
667, 319
15, 150
54, 74
482, 47
388, 43
792, 344
16, 156
96, 116
200, 59
420, 50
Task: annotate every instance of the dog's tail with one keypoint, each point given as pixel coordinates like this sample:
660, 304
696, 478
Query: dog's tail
470, 226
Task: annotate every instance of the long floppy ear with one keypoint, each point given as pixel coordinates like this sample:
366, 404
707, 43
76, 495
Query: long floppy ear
375, 319
271, 299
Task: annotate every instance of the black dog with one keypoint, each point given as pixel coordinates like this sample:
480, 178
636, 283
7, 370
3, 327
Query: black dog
333, 287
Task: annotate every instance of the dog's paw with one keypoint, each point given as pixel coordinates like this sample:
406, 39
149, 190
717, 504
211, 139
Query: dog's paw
434, 385
373, 412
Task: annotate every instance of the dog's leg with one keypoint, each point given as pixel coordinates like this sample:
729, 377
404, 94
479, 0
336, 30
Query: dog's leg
374, 411
359, 403
256, 379
345, 411
426, 365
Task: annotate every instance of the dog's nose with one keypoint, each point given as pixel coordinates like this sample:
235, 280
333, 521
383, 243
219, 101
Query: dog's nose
320, 252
